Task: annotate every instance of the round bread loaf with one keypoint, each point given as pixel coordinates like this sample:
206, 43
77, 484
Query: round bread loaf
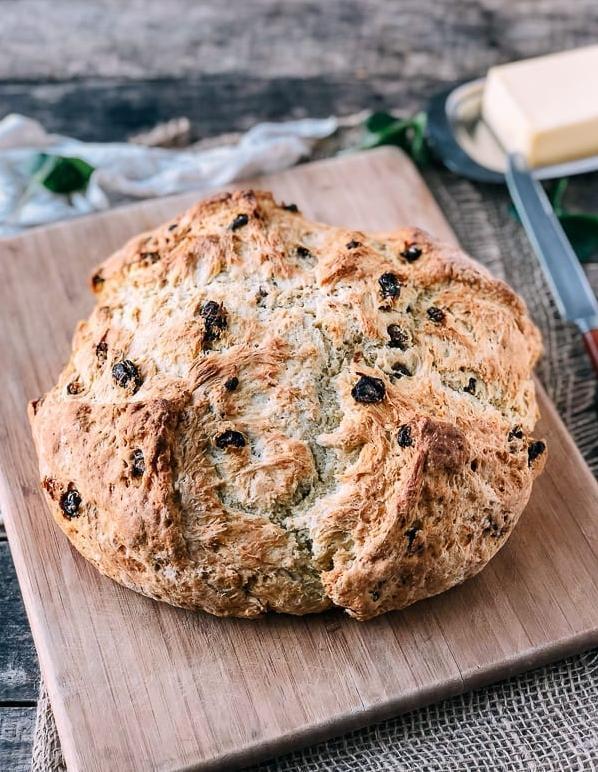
267, 413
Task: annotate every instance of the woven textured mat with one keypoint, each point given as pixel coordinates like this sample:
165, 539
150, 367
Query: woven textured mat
546, 719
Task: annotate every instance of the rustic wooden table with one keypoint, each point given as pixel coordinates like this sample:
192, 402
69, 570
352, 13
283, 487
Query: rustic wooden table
104, 70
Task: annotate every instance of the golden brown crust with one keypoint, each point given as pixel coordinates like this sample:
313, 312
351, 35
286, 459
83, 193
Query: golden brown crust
265, 413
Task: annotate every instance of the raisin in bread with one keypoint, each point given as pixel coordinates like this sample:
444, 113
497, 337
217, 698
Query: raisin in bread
267, 413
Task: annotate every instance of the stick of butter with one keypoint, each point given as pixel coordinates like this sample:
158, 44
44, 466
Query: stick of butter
547, 107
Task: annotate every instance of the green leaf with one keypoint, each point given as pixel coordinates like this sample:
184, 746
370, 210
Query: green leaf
556, 192
62, 174
407, 133
378, 122
419, 148
582, 232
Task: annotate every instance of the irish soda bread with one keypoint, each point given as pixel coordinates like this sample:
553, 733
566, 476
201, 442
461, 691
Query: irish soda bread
266, 413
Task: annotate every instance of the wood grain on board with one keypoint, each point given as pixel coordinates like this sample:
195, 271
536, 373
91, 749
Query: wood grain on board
136, 684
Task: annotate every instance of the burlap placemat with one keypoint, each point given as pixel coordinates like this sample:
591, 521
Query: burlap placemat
545, 719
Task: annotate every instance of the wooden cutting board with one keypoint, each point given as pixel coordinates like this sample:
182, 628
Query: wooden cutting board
138, 685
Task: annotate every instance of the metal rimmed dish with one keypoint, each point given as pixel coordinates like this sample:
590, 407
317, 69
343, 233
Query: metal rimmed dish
459, 136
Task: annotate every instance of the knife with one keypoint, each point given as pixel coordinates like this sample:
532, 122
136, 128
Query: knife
572, 293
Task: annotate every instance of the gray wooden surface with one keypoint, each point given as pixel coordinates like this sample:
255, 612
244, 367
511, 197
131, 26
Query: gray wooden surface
105, 69
102, 70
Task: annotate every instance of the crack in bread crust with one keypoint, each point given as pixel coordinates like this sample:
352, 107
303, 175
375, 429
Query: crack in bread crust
266, 413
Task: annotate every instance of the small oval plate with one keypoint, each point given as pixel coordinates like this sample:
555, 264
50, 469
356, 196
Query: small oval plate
459, 136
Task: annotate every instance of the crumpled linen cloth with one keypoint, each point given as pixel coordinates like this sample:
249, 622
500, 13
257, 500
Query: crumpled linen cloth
125, 171
540, 721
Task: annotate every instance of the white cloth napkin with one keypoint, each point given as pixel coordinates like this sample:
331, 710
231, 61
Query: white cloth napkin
127, 171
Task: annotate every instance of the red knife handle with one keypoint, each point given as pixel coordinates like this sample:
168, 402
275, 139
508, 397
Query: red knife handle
590, 338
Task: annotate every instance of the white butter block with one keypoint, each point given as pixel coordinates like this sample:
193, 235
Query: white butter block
545, 108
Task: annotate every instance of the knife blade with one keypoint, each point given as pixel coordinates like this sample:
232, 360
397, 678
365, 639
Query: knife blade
571, 290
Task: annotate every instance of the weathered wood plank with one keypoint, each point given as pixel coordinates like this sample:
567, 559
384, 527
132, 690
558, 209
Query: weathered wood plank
19, 671
112, 109
16, 737
80, 70
70, 39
